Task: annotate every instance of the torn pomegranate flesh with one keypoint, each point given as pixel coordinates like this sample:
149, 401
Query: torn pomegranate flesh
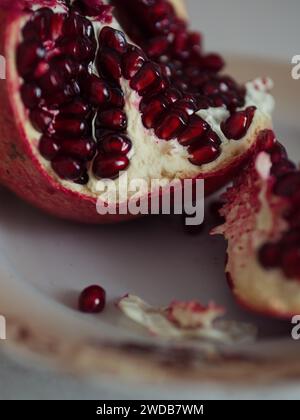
284, 253
75, 109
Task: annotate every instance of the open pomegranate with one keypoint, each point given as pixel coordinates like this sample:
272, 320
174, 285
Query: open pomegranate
96, 89
263, 232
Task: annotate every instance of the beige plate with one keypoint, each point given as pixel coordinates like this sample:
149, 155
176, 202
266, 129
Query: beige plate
44, 263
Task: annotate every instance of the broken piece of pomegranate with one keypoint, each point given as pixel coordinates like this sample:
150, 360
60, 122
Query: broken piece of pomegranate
262, 228
186, 321
83, 103
193, 314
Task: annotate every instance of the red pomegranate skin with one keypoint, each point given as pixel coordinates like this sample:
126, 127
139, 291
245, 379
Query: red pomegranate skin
20, 169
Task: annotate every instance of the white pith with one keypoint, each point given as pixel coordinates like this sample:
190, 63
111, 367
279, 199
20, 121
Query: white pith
266, 291
152, 158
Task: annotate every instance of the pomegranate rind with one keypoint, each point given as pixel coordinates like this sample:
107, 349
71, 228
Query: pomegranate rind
254, 216
22, 171
186, 321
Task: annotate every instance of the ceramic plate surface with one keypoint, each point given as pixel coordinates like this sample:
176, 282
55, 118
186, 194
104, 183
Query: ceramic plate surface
45, 263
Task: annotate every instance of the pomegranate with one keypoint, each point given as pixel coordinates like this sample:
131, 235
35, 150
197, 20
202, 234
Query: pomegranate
262, 227
98, 88
92, 299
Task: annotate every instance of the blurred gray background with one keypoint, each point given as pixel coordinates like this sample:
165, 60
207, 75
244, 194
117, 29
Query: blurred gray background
268, 28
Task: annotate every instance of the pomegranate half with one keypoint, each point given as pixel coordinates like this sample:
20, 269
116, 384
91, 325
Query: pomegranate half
98, 89
262, 228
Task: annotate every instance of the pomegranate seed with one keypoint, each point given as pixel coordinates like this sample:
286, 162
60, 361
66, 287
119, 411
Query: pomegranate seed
269, 255
159, 10
181, 84
211, 88
278, 152
213, 62
157, 46
50, 81
41, 69
132, 62
83, 180
290, 262
68, 168
113, 39
172, 95
180, 42
199, 79
97, 90
145, 79
267, 139
153, 112
282, 168
290, 238
116, 97
65, 67
165, 70
195, 130
114, 119
185, 105
84, 149
65, 95
236, 126
202, 102
71, 127
93, 8
295, 220
77, 107
161, 26
92, 300
211, 136
28, 55
287, 185
228, 83
31, 95
109, 64
106, 166
77, 25
39, 25
116, 144
49, 147
40, 119
203, 154
194, 39
158, 88
171, 126
56, 26
83, 49
219, 101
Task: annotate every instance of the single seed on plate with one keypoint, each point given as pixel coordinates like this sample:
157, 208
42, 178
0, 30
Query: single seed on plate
92, 300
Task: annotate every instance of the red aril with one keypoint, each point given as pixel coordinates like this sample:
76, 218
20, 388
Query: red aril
92, 300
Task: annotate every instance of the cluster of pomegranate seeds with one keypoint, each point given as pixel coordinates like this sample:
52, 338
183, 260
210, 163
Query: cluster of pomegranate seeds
81, 114
92, 300
64, 97
284, 254
166, 39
